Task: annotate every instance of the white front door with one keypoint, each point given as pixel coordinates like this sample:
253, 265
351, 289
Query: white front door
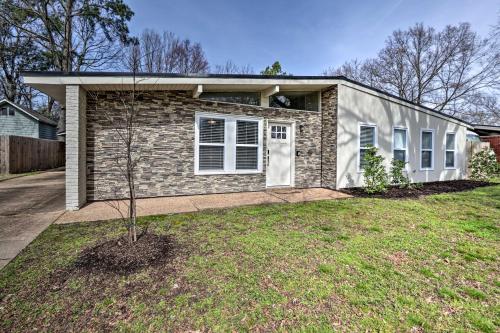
279, 154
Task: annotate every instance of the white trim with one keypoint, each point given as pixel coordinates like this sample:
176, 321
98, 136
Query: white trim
432, 150
360, 124
454, 150
292, 124
270, 91
197, 91
406, 141
229, 144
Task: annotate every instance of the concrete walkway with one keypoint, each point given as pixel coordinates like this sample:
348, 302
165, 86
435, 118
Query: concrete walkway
106, 210
28, 205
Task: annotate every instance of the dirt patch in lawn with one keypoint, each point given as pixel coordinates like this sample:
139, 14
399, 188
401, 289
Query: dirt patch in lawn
112, 272
117, 255
395, 192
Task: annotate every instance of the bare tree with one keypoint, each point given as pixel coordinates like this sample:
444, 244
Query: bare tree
71, 35
441, 70
166, 53
231, 68
123, 122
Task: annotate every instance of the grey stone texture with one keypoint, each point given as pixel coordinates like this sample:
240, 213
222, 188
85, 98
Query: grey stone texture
329, 138
166, 138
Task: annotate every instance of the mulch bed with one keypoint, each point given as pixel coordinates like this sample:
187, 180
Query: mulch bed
118, 256
395, 192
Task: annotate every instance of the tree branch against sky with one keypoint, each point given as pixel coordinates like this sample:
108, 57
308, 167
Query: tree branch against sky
446, 70
165, 53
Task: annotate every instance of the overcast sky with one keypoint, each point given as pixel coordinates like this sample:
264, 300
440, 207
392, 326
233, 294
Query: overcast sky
305, 36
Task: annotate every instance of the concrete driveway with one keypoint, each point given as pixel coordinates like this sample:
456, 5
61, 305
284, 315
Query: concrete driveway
28, 205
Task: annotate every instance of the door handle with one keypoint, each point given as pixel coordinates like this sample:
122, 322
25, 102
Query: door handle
267, 157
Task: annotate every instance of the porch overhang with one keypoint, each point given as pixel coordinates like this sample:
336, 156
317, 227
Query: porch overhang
54, 83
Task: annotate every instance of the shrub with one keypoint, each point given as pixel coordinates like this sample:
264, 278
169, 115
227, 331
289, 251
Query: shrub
483, 165
375, 176
397, 174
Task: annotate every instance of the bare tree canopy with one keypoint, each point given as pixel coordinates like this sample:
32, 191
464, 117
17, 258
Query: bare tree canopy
67, 35
231, 68
450, 70
74, 35
17, 53
153, 52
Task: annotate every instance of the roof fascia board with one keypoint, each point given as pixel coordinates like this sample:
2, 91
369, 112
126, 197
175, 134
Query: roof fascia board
97, 80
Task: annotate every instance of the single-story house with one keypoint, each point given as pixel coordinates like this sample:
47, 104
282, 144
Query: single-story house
228, 133
16, 120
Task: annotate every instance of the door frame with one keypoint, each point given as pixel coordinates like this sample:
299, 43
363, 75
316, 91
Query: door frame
292, 149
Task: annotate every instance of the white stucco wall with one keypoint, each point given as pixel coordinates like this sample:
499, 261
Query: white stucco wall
357, 105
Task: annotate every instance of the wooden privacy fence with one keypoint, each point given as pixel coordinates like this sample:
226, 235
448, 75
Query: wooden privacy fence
22, 154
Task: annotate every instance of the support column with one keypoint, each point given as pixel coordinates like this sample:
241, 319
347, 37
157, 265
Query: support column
76, 147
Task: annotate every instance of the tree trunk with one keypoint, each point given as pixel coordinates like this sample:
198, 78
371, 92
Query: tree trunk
68, 36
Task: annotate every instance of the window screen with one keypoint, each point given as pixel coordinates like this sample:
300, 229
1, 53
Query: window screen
251, 98
295, 100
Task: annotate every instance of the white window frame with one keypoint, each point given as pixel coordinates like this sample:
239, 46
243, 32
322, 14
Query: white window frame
406, 140
454, 150
433, 133
375, 133
229, 144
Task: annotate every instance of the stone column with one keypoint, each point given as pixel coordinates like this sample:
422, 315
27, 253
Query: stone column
76, 147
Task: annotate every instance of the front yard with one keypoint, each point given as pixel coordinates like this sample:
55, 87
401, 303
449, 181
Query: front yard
428, 264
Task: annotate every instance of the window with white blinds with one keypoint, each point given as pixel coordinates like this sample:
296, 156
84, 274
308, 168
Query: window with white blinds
367, 139
247, 144
227, 144
211, 144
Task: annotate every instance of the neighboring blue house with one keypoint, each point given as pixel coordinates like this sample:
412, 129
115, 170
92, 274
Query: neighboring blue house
16, 120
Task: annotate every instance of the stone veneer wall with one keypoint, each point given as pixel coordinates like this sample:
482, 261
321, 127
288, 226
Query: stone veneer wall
166, 140
329, 137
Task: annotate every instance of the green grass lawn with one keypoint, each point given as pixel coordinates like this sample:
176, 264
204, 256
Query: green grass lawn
427, 264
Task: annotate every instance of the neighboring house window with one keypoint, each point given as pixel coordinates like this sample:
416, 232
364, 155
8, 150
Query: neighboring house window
211, 144
3, 111
400, 144
426, 149
449, 157
228, 144
308, 101
11, 112
252, 98
367, 139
